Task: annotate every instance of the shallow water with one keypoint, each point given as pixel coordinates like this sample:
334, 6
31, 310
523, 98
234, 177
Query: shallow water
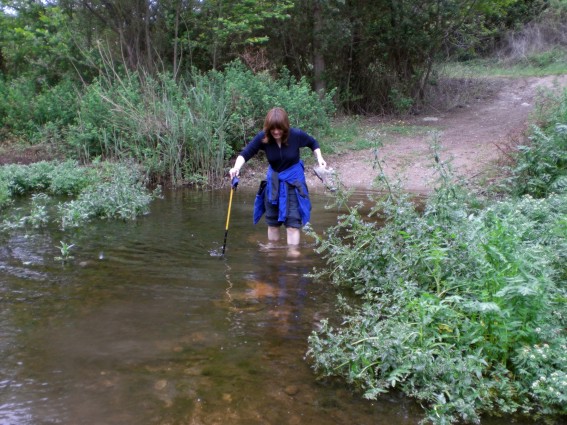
148, 325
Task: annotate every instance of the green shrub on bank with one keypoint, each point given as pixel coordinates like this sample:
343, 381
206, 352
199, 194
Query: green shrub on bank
541, 165
120, 193
54, 178
5, 194
28, 110
180, 130
462, 309
103, 190
253, 95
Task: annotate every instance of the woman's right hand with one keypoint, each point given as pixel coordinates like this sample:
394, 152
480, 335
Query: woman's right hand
234, 172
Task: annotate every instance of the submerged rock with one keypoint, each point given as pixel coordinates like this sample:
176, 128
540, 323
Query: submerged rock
160, 385
291, 390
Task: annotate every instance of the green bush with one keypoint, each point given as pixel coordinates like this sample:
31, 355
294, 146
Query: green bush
541, 166
5, 195
103, 190
27, 109
54, 178
18, 98
96, 132
461, 308
186, 130
119, 193
180, 130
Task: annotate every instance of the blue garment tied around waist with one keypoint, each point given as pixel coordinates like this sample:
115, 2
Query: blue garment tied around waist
276, 190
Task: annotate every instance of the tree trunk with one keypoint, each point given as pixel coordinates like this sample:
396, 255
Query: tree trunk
148, 40
176, 65
318, 59
2, 62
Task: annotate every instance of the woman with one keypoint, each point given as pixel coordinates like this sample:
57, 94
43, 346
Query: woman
283, 196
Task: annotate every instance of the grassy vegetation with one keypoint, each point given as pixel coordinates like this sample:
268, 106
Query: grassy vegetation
489, 68
179, 130
551, 62
459, 303
72, 195
354, 133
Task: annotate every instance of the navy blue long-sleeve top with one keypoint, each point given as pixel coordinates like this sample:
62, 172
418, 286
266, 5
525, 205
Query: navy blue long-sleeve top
281, 158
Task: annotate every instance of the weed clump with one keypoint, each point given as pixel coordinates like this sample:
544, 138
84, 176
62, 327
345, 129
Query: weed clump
78, 194
459, 303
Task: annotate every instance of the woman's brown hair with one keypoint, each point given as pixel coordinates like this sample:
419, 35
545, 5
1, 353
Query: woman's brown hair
276, 118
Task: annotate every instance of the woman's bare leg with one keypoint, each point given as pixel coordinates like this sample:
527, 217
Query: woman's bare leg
293, 236
273, 233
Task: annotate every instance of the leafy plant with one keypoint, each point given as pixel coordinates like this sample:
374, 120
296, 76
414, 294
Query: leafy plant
453, 301
5, 195
65, 250
541, 166
254, 94
119, 193
56, 178
104, 190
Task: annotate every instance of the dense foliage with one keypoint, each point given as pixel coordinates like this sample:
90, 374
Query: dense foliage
378, 54
459, 303
180, 130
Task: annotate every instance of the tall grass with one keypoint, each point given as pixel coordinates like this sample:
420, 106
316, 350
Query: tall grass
538, 65
181, 130
185, 130
175, 130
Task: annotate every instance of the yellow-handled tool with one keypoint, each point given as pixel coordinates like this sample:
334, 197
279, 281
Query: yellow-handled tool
232, 189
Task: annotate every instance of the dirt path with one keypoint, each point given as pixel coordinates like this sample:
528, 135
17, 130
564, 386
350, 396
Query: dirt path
473, 136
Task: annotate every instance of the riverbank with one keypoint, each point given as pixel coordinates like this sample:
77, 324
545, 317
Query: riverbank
476, 136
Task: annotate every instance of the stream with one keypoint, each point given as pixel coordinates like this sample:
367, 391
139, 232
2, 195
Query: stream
148, 324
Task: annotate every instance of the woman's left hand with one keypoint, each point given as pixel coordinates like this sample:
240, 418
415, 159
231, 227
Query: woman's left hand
320, 159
